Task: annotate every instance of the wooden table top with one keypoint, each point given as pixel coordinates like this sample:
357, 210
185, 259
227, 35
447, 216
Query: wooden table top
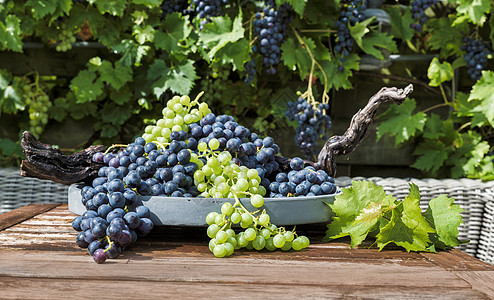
40, 260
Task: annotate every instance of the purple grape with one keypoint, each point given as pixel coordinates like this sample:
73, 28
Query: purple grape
99, 256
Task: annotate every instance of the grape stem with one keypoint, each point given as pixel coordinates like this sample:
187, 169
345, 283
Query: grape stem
114, 146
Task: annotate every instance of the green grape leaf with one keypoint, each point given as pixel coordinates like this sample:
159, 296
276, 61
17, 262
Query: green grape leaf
11, 34
10, 148
433, 127
296, 57
115, 77
220, 32
86, 87
143, 34
112, 7
121, 96
235, 53
178, 78
400, 23
116, 114
407, 228
443, 37
42, 8
150, 3
175, 31
5, 78
482, 90
372, 42
399, 121
439, 72
443, 215
356, 214
474, 10
132, 53
297, 5
11, 101
336, 78
432, 155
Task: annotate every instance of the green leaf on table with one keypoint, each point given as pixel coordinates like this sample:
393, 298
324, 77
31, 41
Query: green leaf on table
358, 209
439, 72
11, 34
400, 23
219, 33
432, 155
407, 228
175, 30
398, 121
474, 10
86, 86
482, 90
178, 78
443, 215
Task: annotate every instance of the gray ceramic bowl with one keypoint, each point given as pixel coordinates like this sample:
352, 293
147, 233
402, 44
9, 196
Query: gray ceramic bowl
180, 211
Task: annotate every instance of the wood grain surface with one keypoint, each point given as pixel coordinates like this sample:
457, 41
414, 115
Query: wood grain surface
40, 260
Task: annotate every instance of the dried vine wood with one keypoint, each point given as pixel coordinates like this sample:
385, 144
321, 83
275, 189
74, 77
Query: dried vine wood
45, 162
358, 129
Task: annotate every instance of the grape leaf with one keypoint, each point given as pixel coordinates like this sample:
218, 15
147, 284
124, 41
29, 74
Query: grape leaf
482, 90
42, 8
444, 216
112, 7
444, 37
400, 23
433, 126
407, 228
11, 34
475, 10
11, 101
5, 78
115, 77
297, 5
295, 57
432, 155
121, 96
116, 114
151, 3
235, 53
439, 72
339, 79
131, 52
399, 121
220, 32
176, 29
86, 87
178, 78
10, 148
143, 34
372, 42
355, 213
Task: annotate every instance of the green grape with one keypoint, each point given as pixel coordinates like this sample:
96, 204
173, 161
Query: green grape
169, 123
264, 220
230, 232
242, 185
212, 162
169, 114
227, 209
212, 230
254, 182
279, 240
224, 158
257, 201
160, 123
249, 246
229, 248
250, 234
212, 244
247, 218
258, 243
202, 146
270, 244
242, 241
223, 188
199, 175
211, 217
176, 127
156, 131
262, 190
236, 217
287, 246
201, 187
219, 251
219, 179
178, 120
219, 219
289, 236
297, 244
214, 144
188, 119
252, 173
305, 240
221, 237
178, 108
232, 240
266, 233
185, 100
203, 108
148, 129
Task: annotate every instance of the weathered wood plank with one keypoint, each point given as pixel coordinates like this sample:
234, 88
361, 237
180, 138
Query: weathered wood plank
15, 288
24, 213
455, 260
481, 281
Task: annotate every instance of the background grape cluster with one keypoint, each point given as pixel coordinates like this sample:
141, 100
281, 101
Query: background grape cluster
418, 13
477, 53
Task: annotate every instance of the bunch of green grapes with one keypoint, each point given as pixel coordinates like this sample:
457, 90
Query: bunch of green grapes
66, 38
219, 177
39, 104
178, 113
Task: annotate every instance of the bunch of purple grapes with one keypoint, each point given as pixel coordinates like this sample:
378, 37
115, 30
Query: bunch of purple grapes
270, 28
171, 6
205, 9
351, 13
313, 123
418, 13
477, 53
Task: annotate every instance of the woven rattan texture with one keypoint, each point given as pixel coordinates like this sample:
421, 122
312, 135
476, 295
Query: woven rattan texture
474, 196
17, 191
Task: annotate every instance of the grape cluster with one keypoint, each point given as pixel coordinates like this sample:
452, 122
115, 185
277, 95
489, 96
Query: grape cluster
205, 9
171, 6
65, 38
418, 13
313, 123
477, 52
301, 181
217, 85
351, 13
39, 103
270, 27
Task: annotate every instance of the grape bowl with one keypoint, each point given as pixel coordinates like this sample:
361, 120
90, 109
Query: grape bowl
192, 211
